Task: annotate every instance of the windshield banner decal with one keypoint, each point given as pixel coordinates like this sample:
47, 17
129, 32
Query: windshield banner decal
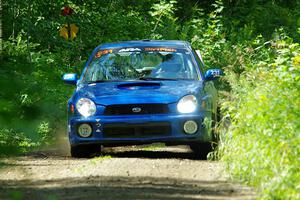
103, 52
160, 49
137, 49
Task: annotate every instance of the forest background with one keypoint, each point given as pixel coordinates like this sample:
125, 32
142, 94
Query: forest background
255, 42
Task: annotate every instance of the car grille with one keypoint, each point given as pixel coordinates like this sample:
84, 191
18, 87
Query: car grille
136, 109
125, 130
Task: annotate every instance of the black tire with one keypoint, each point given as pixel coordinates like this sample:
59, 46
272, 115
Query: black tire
85, 151
201, 150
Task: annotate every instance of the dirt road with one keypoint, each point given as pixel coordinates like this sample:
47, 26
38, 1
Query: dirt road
121, 173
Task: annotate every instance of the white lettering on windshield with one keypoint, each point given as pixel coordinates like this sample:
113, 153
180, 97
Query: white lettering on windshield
129, 49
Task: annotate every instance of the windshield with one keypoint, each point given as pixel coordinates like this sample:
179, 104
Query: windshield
141, 64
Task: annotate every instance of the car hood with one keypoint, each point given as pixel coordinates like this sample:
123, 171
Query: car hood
138, 92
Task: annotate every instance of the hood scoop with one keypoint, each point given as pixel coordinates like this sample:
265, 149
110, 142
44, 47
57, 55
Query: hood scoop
139, 85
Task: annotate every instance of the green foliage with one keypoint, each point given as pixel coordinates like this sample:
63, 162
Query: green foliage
153, 147
206, 32
15, 195
261, 17
261, 146
96, 160
251, 40
164, 20
12, 142
26, 99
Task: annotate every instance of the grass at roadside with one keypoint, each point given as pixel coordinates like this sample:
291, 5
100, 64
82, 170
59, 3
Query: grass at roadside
153, 147
100, 158
262, 146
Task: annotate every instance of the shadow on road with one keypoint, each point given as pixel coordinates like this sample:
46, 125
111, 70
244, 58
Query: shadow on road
175, 152
102, 187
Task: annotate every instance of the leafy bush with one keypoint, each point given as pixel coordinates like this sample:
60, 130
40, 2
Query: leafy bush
260, 91
12, 142
27, 83
262, 144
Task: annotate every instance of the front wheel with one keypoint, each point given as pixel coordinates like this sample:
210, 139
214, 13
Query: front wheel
85, 151
201, 149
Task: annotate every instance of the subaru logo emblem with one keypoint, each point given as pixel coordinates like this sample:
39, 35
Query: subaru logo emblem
136, 109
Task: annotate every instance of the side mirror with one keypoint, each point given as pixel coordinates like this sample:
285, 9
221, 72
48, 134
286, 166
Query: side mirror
213, 74
70, 79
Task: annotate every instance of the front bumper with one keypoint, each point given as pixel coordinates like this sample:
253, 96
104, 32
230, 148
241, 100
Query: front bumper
138, 129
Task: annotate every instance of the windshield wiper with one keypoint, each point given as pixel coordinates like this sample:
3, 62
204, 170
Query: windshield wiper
155, 78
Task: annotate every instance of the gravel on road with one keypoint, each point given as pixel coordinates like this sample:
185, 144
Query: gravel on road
120, 173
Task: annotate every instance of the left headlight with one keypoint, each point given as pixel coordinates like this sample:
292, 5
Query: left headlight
187, 104
86, 107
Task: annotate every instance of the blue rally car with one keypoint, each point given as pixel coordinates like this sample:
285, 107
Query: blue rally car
140, 92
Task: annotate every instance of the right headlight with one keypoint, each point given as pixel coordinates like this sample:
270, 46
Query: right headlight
187, 104
86, 107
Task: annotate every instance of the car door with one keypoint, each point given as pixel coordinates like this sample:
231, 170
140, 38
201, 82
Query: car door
209, 88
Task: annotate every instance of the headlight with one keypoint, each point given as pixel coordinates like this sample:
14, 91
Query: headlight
187, 104
86, 107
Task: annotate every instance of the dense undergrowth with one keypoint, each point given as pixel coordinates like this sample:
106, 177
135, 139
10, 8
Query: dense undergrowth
254, 42
262, 144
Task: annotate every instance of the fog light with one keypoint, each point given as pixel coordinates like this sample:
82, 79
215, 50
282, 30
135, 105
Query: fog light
85, 130
190, 127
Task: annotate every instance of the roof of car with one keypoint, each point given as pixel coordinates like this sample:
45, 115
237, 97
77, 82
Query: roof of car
147, 43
